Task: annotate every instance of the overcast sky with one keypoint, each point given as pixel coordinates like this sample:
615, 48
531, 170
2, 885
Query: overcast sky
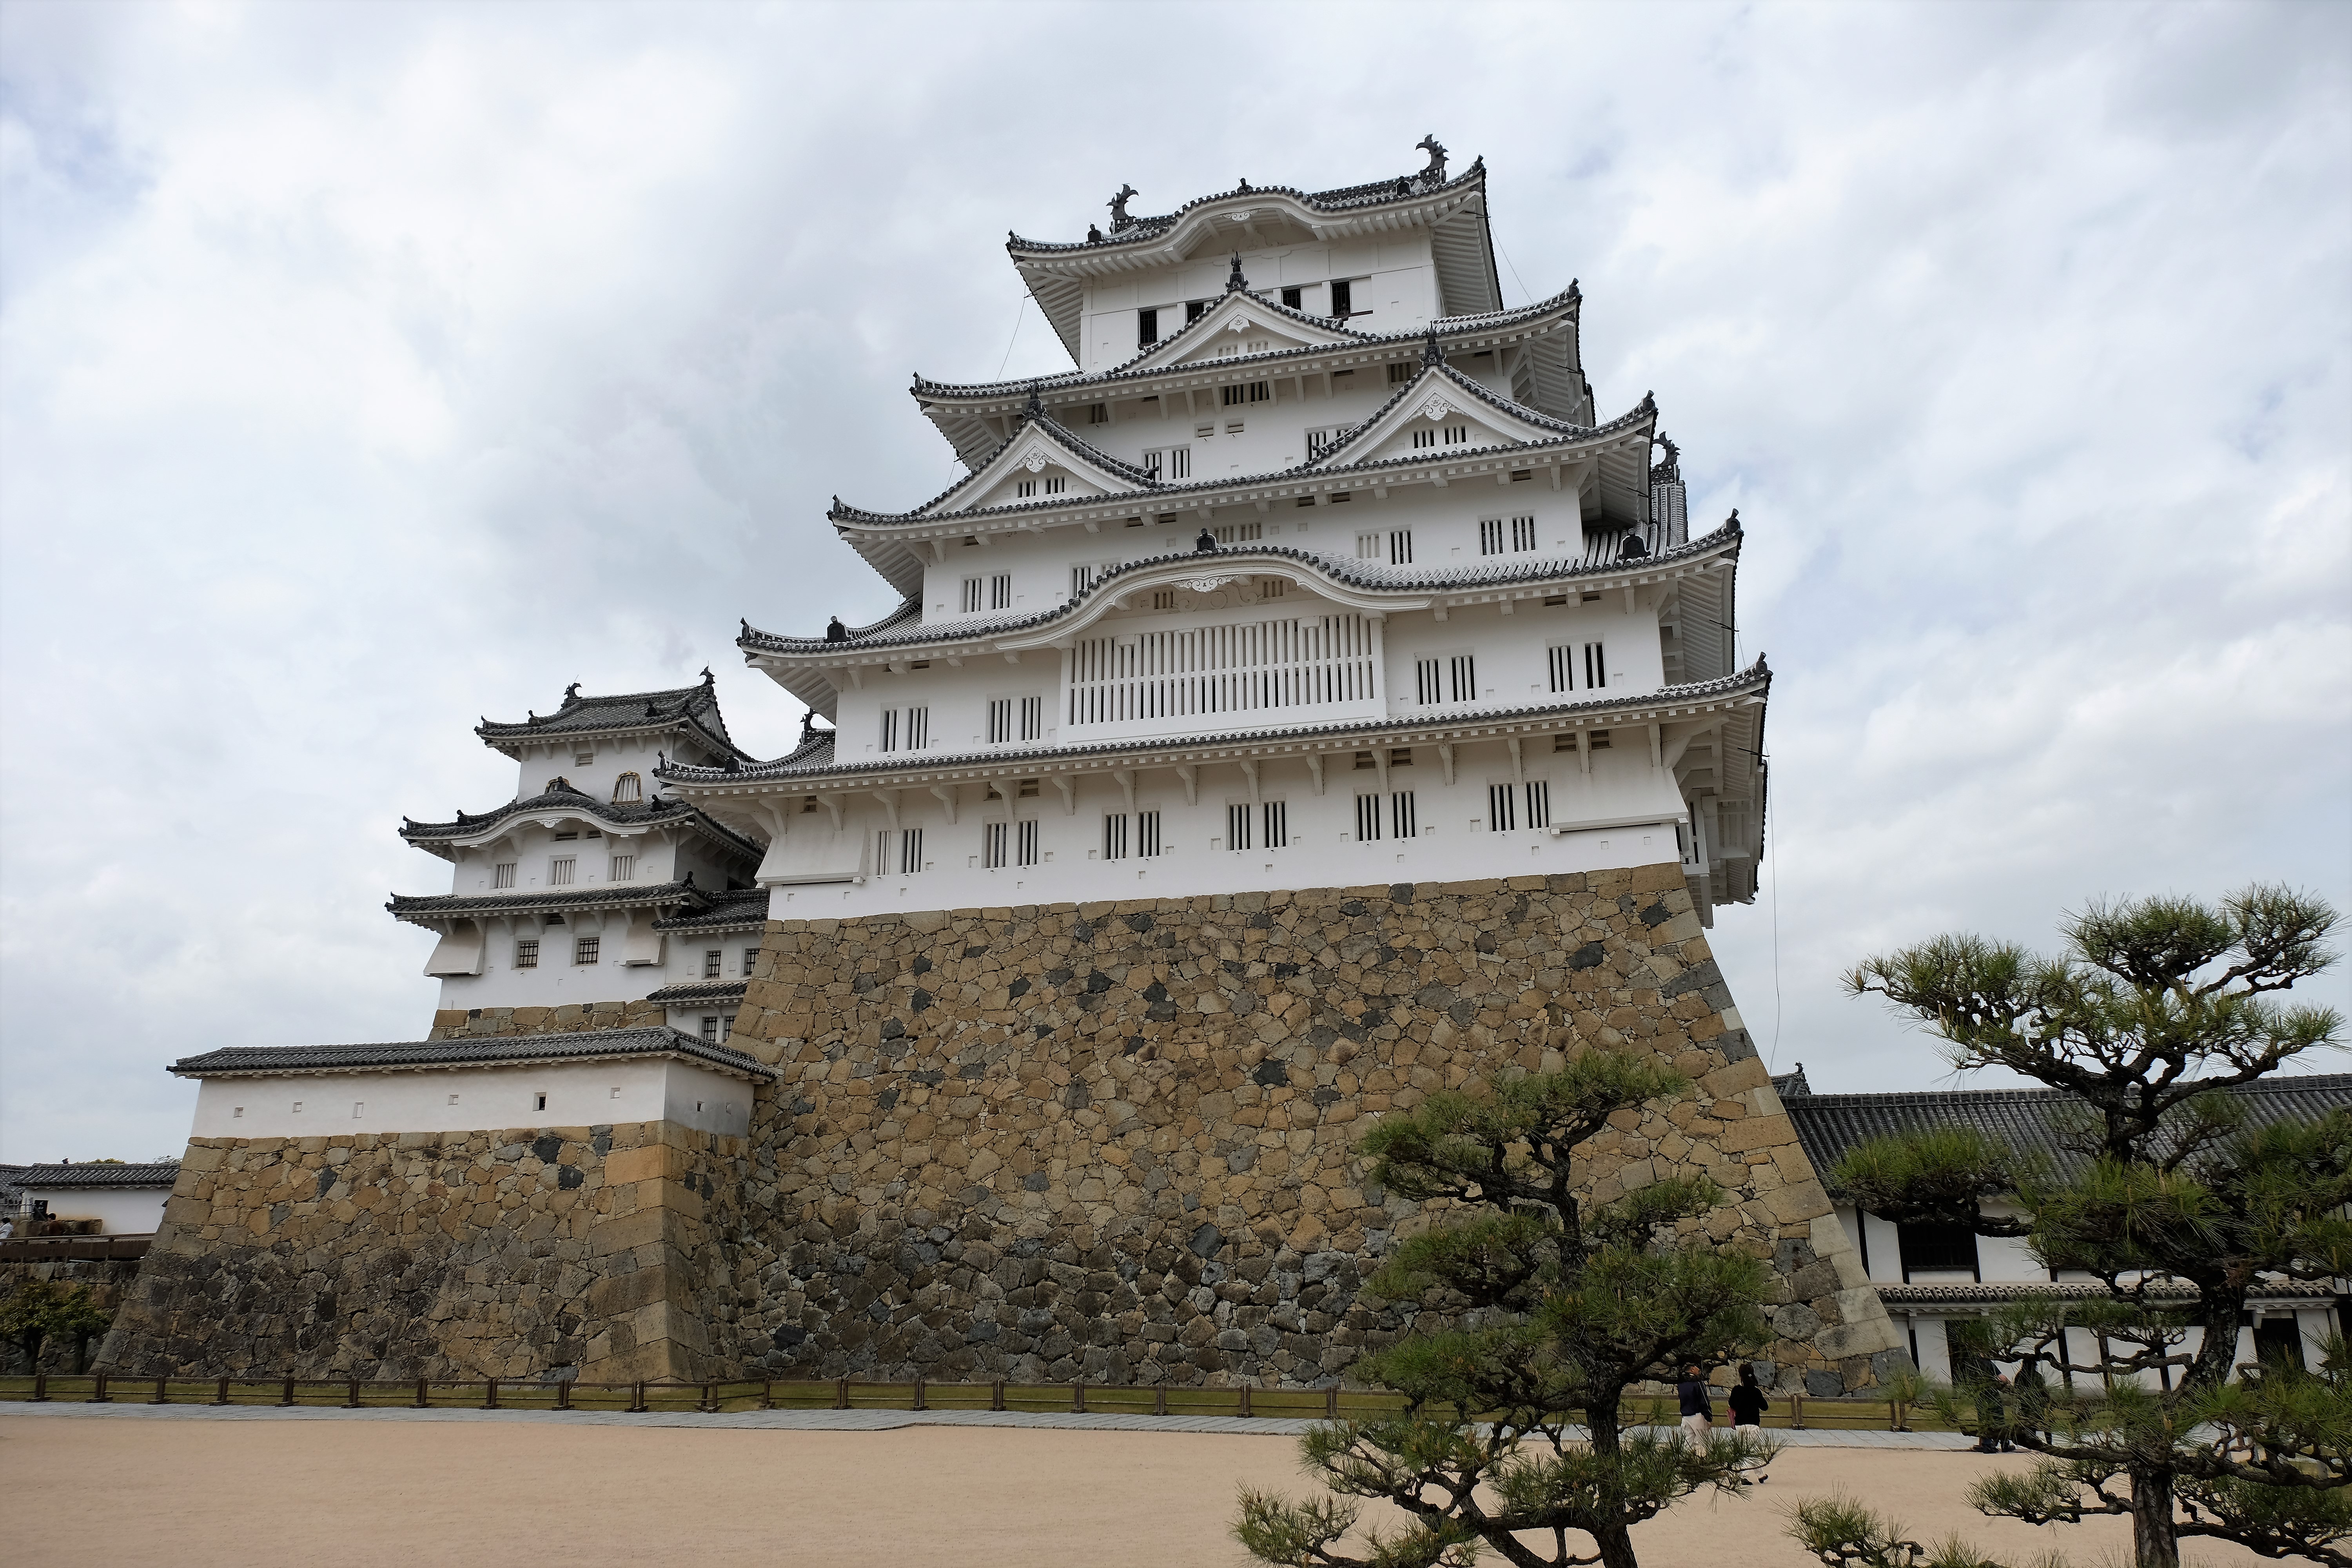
367, 369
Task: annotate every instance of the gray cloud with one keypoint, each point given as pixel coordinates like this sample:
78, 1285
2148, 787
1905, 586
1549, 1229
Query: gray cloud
363, 370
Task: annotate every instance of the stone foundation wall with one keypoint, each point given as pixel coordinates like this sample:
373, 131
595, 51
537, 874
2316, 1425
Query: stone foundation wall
108, 1280
564, 1251
1107, 1143
458, 1023
1114, 1142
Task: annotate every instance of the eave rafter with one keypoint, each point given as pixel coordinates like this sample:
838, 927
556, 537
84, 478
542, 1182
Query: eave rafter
1314, 573
1459, 337
1169, 503
1745, 690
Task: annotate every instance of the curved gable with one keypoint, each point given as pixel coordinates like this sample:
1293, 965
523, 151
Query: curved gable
1042, 462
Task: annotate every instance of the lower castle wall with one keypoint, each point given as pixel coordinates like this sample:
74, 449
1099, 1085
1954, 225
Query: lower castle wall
459, 1023
1113, 1142
1108, 1143
565, 1251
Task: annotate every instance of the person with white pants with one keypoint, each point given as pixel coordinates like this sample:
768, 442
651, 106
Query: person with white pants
1698, 1416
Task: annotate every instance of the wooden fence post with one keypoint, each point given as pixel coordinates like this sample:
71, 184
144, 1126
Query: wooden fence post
1079, 1397
287, 1396
98, 1395
489, 1394
41, 1387
996, 1395
840, 1393
1796, 1411
354, 1401
221, 1397
637, 1398
919, 1403
1331, 1402
423, 1398
1245, 1398
1159, 1399
709, 1397
163, 1395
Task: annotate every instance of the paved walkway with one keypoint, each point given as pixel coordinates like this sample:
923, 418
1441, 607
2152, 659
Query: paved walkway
827, 1420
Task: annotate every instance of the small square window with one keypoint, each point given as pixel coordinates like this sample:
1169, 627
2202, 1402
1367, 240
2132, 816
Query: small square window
584, 949
526, 957
539, 1102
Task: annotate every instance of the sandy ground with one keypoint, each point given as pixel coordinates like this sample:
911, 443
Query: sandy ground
128, 1493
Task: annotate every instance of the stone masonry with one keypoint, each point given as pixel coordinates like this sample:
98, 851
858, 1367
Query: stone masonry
458, 1023
561, 1252
106, 1280
1108, 1143
1113, 1142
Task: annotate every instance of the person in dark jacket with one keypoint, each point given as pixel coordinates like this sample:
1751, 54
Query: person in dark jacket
1698, 1416
1748, 1404
2033, 1400
1747, 1400
1993, 1415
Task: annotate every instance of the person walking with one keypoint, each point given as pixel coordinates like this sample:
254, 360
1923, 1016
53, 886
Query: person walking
1698, 1416
1992, 1415
1748, 1405
2033, 1400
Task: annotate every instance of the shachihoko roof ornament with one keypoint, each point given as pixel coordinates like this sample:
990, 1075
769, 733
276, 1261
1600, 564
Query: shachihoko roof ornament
1435, 174
1235, 283
1118, 218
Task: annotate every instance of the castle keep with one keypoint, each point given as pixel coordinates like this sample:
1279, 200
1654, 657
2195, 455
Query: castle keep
1309, 701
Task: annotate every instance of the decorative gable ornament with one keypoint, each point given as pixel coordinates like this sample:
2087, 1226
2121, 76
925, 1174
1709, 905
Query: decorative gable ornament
1436, 408
1034, 461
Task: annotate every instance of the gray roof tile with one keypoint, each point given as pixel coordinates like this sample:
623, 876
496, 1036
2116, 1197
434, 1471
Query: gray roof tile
729, 910
694, 708
472, 1051
613, 896
698, 992
564, 797
2028, 1120
160, 1174
1347, 198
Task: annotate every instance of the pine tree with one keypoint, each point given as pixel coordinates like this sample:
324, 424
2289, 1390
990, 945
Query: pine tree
2174, 1202
1561, 1310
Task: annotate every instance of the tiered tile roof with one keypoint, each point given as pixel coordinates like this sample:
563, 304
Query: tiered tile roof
504, 1050
692, 708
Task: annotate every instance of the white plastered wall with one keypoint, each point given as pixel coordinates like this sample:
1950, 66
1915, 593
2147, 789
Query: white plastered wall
120, 1211
458, 1099
1395, 289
